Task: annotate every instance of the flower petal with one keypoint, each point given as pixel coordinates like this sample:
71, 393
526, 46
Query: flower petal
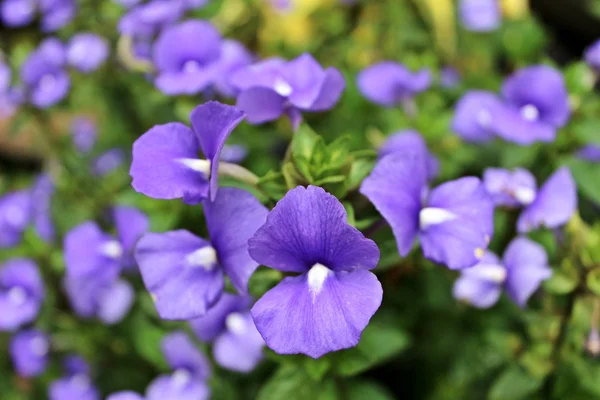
331, 90
473, 117
130, 224
182, 353
209, 326
240, 351
115, 301
410, 141
261, 104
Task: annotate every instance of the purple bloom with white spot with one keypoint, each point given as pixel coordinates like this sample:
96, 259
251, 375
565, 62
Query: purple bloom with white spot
454, 222
590, 152
87, 51
479, 15
274, 87
237, 344
551, 206
473, 118
184, 67
326, 306
592, 55
15, 216
165, 159
56, 13
184, 273
16, 13
29, 350
520, 273
84, 134
76, 387
390, 83
21, 293
410, 141
43, 73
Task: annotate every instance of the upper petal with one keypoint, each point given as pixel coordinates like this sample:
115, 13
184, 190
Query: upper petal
473, 116
240, 350
212, 323
181, 352
410, 141
379, 83
130, 224
261, 104
331, 90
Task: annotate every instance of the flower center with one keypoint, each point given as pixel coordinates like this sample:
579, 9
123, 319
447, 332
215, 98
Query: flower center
282, 87
524, 195
206, 257
191, 66
17, 295
491, 273
317, 276
235, 323
112, 249
484, 118
197, 164
39, 346
181, 377
430, 216
530, 112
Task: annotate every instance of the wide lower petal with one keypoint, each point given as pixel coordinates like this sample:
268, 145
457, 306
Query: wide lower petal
240, 350
478, 292
294, 319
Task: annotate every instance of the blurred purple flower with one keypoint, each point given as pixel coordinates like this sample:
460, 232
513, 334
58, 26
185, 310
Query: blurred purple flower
234, 56
76, 387
454, 222
332, 297
474, 116
479, 15
29, 350
108, 161
16, 13
128, 3
178, 386
15, 216
551, 206
87, 51
237, 344
592, 55
42, 192
590, 152
234, 153
449, 78
21, 293
127, 395
84, 132
192, 4
411, 142
184, 273
520, 273
74, 364
146, 20
56, 13
274, 87
165, 159
5, 76
390, 83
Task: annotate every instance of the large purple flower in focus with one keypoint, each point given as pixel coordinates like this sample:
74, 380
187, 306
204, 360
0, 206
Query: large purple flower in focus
185, 273
29, 350
479, 15
333, 295
165, 159
237, 344
389, 83
454, 222
520, 273
21, 293
274, 87
550, 206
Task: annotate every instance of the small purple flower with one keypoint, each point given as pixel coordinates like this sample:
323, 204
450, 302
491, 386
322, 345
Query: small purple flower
15, 216
178, 386
16, 13
479, 15
328, 304
474, 116
44, 75
108, 162
523, 269
184, 67
76, 387
590, 152
74, 364
389, 83
592, 55
165, 159
449, 78
21, 293
146, 20
107, 299
454, 222
84, 133
410, 141
87, 51
127, 395
184, 273
42, 192
234, 153
274, 87
234, 56
56, 13
237, 344
550, 206
29, 350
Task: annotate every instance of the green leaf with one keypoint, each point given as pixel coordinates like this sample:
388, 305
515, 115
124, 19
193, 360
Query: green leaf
304, 142
146, 338
586, 176
317, 368
292, 382
564, 280
514, 384
359, 170
579, 78
593, 281
367, 390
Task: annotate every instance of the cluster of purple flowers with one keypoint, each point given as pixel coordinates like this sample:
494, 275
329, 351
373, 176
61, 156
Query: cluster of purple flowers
53, 14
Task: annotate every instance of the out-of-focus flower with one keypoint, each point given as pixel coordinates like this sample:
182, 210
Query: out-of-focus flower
84, 132
146, 20
74, 364
16, 13
127, 395
165, 159
234, 56
76, 384
551, 206
454, 222
108, 161
184, 273
29, 351
328, 304
5, 76
473, 118
274, 87
10, 97
520, 273
237, 344
56, 13
479, 15
234, 153
128, 3
389, 83
43, 73
590, 152
449, 78
15, 215
21, 293
192, 4
411, 142
592, 55
184, 67
87, 51
42, 192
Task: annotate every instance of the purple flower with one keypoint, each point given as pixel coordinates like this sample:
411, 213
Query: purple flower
42, 192
21, 293
523, 269
165, 159
15, 215
107, 299
108, 161
184, 273
328, 304
56, 13
192, 4
535, 105
130, 224
84, 133
410, 141
273, 87
74, 365
16, 13
29, 350
128, 3
592, 55
389, 83
87, 51
146, 20
590, 152
234, 56
10, 100
449, 78
474, 116
184, 67
128, 395
454, 222
479, 15
178, 386
550, 206
237, 344
234, 153
44, 76
76, 387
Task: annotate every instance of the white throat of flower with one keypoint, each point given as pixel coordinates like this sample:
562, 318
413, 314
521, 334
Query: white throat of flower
529, 112
524, 195
39, 346
282, 87
430, 216
17, 295
235, 323
484, 118
191, 66
181, 377
112, 249
316, 278
197, 164
491, 272
206, 258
